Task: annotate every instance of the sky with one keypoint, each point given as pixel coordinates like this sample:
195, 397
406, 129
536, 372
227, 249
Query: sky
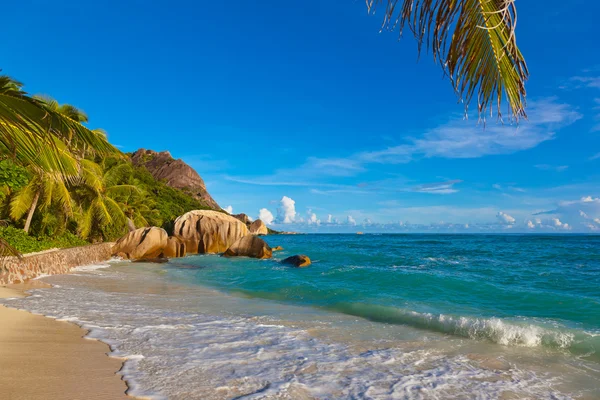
305, 114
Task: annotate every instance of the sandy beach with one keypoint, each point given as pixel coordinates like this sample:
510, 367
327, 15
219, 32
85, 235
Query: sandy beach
41, 358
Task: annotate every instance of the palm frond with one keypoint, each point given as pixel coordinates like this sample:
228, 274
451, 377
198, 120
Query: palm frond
6, 251
475, 43
118, 216
101, 212
63, 197
91, 175
85, 222
21, 201
30, 126
117, 174
122, 191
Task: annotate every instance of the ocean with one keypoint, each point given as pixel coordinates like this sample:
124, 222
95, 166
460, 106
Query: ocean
374, 317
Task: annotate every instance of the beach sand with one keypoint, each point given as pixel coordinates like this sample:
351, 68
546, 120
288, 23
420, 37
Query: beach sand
41, 358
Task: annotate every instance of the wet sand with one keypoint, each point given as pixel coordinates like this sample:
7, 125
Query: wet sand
41, 358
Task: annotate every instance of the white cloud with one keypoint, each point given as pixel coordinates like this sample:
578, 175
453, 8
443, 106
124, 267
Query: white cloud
438, 187
505, 218
455, 139
587, 204
367, 222
330, 219
266, 216
580, 214
460, 139
350, 220
556, 222
530, 225
559, 224
229, 209
587, 81
547, 167
313, 220
286, 213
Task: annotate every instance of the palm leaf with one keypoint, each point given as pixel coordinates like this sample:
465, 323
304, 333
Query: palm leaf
7, 251
29, 128
91, 175
85, 222
21, 201
475, 43
122, 191
117, 215
117, 174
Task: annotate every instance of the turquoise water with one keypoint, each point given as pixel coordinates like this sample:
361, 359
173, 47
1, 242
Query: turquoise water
374, 317
509, 289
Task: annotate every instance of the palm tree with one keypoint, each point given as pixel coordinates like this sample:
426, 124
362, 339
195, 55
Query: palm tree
33, 133
99, 198
50, 188
475, 43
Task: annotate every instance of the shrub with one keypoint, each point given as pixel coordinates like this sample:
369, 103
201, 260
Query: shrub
29, 244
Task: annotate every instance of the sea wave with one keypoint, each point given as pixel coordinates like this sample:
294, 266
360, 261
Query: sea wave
501, 331
185, 342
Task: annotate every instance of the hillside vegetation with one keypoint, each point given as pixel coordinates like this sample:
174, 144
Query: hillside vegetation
63, 184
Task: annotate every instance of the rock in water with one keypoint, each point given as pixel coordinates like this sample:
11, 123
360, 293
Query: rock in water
277, 248
175, 248
258, 228
175, 173
143, 243
298, 261
205, 231
249, 246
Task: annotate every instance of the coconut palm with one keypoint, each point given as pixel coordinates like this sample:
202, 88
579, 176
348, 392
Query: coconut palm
99, 197
473, 40
49, 188
33, 133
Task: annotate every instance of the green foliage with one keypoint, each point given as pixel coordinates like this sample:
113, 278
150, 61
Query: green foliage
12, 176
28, 244
58, 177
169, 203
272, 231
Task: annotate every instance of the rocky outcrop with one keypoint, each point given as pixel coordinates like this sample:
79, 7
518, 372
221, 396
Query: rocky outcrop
277, 248
51, 262
242, 217
300, 261
249, 246
175, 248
211, 232
143, 243
258, 228
175, 173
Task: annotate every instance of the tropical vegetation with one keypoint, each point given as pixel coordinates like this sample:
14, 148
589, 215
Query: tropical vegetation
62, 184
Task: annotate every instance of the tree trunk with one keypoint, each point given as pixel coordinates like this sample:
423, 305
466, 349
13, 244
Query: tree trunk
31, 211
130, 225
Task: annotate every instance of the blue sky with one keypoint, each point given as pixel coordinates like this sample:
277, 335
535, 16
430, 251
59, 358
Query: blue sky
303, 107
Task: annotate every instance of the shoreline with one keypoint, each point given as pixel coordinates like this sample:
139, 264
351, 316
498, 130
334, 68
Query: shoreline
43, 358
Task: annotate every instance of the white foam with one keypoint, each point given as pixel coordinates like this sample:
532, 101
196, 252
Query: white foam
173, 349
91, 267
